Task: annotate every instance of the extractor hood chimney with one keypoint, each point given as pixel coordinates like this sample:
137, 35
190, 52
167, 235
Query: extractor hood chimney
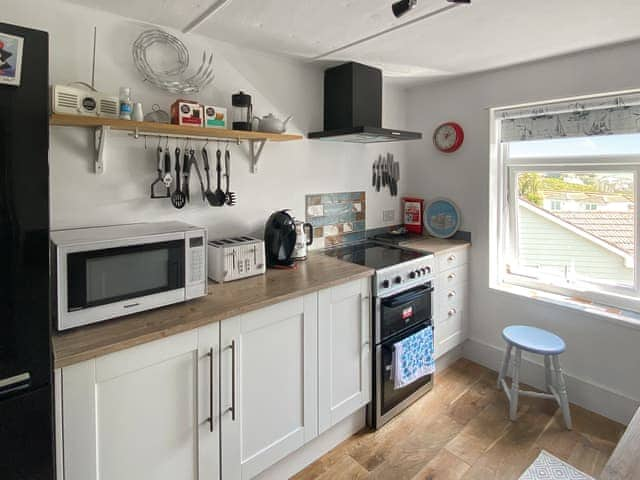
353, 107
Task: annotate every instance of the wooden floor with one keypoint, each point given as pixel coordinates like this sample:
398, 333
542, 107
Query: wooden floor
460, 430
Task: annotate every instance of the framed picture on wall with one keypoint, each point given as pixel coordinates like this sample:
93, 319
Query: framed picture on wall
10, 59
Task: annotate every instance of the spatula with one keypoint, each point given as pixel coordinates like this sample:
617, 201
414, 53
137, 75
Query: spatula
230, 197
219, 194
211, 197
178, 198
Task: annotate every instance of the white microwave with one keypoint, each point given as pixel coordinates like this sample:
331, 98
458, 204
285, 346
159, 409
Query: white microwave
101, 273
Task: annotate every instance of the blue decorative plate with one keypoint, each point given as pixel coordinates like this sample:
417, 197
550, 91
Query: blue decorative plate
442, 218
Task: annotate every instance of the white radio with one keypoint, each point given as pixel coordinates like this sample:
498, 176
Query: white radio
78, 101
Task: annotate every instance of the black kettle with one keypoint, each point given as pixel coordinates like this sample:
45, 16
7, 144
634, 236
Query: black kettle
280, 239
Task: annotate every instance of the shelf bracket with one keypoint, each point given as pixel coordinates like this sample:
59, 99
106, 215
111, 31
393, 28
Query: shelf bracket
254, 153
100, 139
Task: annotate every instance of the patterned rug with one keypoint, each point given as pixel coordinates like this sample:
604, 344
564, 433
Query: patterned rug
548, 467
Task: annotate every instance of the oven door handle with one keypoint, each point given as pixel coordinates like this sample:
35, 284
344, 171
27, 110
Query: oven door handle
406, 297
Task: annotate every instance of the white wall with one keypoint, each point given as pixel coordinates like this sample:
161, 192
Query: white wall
287, 171
602, 356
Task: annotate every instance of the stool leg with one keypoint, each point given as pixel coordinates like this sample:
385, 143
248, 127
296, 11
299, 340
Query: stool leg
548, 380
505, 365
515, 384
562, 392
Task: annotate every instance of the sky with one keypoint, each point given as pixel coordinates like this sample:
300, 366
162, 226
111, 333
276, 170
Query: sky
579, 146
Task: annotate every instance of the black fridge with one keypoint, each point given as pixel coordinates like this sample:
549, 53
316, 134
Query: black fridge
26, 418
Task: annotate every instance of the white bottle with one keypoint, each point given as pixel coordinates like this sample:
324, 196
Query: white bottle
125, 103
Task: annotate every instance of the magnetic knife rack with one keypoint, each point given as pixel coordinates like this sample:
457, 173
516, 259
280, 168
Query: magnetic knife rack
103, 127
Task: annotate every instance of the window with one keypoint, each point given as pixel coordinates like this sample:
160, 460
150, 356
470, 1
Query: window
564, 208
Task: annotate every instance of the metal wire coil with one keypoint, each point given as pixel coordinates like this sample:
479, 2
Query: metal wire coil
171, 79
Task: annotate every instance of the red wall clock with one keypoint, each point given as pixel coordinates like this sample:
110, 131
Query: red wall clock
448, 137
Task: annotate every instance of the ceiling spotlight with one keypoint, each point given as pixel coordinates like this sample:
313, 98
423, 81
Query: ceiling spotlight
402, 7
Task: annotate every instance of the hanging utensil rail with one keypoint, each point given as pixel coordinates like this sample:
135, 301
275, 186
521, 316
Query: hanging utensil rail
255, 146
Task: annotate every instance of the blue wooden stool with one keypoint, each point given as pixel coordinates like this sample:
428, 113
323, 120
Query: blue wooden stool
542, 342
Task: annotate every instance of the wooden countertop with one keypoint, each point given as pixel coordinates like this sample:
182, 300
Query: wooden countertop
624, 463
223, 301
435, 245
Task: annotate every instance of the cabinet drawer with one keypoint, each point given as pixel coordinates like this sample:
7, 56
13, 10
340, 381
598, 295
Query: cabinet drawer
452, 259
449, 332
449, 324
452, 277
448, 298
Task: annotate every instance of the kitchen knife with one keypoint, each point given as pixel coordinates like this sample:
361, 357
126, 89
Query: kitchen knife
373, 174
384, 172
389, 173
395, 178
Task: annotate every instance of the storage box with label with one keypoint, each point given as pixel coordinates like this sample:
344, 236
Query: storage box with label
215, 117
413, 214
186, 112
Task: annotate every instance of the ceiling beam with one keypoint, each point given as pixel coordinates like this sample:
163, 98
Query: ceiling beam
204, 16
386, 31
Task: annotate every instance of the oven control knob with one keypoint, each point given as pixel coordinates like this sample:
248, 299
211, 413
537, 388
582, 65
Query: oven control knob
414, 274
398, 279
385, 284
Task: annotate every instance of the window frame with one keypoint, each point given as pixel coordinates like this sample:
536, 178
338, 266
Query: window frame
504, 203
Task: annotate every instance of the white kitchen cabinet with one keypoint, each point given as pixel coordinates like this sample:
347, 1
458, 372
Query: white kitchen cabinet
144, 412
450, 299
269, 378
344, 351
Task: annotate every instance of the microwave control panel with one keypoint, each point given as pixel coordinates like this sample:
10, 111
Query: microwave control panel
196, 260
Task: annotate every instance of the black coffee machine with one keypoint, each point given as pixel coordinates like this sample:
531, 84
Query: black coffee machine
280, 240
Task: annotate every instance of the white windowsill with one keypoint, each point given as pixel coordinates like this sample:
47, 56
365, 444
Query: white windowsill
612, 314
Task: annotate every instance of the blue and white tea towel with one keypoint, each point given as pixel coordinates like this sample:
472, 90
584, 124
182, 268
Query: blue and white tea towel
413, 358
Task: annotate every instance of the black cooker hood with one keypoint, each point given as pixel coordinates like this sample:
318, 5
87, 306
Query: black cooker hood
353, 107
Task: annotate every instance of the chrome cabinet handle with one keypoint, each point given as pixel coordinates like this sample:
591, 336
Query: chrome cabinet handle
364, 315
451, 276
452, 312
452, 294
451, 258
232, 409
210, 419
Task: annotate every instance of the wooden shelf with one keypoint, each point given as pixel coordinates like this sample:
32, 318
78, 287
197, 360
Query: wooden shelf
165, 129
103, 126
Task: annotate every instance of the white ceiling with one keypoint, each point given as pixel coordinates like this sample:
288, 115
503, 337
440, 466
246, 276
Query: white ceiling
486, 35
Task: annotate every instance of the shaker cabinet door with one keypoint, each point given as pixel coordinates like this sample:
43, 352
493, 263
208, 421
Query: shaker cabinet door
142, 412
344, 351
268, 385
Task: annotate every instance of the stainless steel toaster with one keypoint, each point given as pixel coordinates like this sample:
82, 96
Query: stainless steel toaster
234, 258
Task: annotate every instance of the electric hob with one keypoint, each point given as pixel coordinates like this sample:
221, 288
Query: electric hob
397, 268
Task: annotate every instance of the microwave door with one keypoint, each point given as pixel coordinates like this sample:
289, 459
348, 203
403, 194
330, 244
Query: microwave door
111, 275
103, 283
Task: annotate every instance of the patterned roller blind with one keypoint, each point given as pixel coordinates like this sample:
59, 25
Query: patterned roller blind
608, 115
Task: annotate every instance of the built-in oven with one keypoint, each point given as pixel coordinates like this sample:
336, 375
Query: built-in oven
106, 272
397, 317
